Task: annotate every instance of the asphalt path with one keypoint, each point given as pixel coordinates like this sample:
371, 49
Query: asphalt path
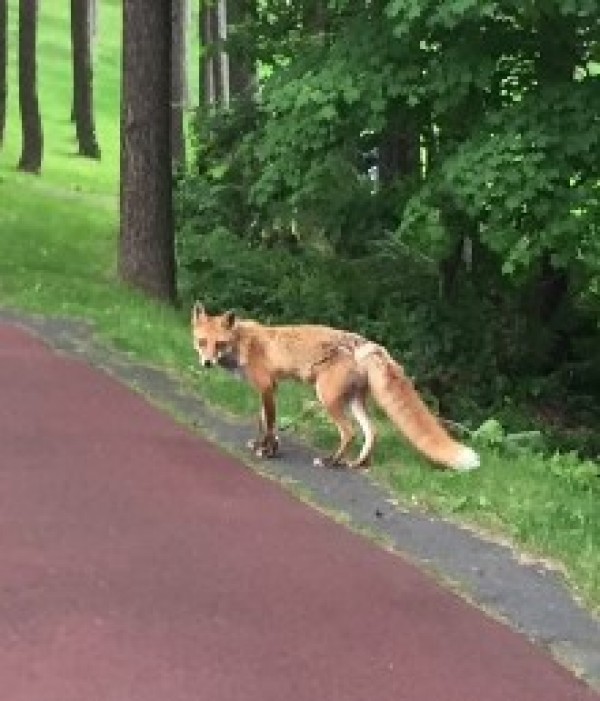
141, 563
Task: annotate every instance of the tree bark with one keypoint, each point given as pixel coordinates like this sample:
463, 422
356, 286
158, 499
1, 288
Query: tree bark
83, 101
146, 243
3, 62
31, 122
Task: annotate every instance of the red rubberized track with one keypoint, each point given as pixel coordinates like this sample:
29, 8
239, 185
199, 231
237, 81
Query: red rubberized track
140, 563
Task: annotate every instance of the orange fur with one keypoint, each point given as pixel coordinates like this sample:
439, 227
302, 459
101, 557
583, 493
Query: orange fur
396, 395
343, 367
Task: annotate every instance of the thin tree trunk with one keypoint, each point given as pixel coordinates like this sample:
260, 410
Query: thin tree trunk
31, 122
93, 25
146, 244
398, 152
216, 82
178, 80
189, 24
208, 88
83, 79
241, 60
3, 62
315, 16
223, 62
215, 52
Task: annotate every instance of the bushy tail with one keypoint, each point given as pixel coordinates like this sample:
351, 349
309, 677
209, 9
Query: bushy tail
396, 395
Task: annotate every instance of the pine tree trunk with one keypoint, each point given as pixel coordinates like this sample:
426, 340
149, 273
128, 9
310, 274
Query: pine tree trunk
83, 110
146, 244
31, 122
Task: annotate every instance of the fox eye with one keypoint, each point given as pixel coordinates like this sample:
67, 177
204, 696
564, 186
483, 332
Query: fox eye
221, 345
201, 342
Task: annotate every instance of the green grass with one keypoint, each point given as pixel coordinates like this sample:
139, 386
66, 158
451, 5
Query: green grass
58, 235
62, 168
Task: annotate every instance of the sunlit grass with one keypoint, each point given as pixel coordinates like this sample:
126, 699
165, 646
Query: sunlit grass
61, 166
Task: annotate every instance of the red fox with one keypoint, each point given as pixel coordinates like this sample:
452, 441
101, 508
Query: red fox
344, 368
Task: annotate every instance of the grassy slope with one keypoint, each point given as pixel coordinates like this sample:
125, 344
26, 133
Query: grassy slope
58, 256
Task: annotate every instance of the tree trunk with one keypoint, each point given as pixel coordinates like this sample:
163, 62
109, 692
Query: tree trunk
314, 14
241, 60
223, 56
178, 80
215, 61
83, 109
31, 122
398, 152
93, 25
560, 48
146, 244
3, 61
216, 52
208, 89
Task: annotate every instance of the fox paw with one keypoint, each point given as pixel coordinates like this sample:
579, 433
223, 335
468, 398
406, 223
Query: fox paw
267, 447
359, 465
329, 463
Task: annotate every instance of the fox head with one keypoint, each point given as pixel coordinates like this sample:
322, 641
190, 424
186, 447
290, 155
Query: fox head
214, 337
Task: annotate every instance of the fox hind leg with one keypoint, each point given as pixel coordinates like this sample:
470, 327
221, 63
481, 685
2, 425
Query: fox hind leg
359, 411
333, 396
337, 414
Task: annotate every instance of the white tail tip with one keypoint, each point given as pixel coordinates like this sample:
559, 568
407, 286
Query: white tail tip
467, 459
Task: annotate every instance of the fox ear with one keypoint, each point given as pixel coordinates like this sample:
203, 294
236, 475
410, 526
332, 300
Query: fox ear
229, 319
198, 311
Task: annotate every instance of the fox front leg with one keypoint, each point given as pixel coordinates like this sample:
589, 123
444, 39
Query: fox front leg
267, 443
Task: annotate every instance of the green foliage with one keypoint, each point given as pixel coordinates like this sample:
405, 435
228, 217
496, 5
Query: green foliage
425, 173
530, 191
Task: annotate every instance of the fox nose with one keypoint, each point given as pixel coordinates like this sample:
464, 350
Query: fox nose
207, 362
